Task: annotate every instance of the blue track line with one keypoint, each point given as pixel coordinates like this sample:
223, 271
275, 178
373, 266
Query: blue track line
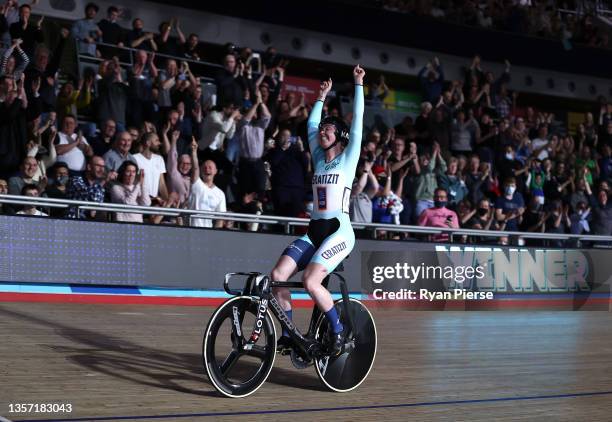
323, 409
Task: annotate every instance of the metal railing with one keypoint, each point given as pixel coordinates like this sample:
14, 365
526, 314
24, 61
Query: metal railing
288, 222
127, 52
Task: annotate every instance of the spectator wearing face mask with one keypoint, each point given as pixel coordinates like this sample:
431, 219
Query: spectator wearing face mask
557, 221
510, 207
439, 216
58, 187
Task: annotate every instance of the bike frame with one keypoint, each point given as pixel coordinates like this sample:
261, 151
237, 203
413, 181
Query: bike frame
260, 287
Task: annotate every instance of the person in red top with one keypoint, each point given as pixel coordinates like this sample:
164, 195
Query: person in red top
439, 216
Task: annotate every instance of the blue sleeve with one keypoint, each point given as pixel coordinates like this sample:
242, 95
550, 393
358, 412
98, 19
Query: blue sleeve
354, 145
313, 127
499, 203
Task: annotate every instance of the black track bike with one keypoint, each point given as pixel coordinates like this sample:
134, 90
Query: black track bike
239, 344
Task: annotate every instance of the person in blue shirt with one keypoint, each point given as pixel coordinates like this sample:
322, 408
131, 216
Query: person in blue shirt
335, 152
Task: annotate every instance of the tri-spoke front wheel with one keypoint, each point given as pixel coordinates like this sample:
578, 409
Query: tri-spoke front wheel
233, 369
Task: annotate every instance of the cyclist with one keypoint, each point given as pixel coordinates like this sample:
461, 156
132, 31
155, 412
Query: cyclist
330, 238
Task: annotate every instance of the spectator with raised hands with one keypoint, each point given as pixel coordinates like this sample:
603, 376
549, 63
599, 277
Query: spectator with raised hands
112, 98
46, 155
167, 80
289, 164
9, 61
72, 148
601, 210
153, 166
129, 190
29, 33
465, 134
365, 188
86, 32
431, 77
138, 38
387, 203
230, 82
71, 101
205, 195
141, 76
251, 130
377, 91
427, 171
12, 124
180, 168
168, 45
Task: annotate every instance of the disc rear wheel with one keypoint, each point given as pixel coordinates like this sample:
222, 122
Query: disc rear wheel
348, 370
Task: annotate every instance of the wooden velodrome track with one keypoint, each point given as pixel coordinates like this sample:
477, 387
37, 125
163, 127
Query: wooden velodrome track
139, 362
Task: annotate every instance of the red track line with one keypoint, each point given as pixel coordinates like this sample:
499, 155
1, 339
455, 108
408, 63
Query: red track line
567, 304
123, 299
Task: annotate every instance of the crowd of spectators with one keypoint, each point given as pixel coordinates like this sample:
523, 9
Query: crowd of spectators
473, 159
146, 136
570, 21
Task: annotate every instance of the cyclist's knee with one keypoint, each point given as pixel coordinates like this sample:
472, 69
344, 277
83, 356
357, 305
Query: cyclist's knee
312, 280
278, 274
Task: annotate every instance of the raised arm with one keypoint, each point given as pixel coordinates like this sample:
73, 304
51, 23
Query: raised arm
315, 115
356, 132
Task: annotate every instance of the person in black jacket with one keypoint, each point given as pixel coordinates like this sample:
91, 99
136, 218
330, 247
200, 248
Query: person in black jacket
289, 164
230, 82
29, 33
45, 67
12, 125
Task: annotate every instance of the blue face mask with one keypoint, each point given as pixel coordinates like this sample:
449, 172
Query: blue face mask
62, 180
440, 204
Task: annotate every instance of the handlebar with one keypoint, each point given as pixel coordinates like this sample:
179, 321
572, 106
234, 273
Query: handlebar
228, 276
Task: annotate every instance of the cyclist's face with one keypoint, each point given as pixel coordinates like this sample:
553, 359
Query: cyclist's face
327, 135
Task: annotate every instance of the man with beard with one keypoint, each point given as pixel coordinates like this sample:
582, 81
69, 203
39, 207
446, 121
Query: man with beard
180, 169
153, 166
89, 187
